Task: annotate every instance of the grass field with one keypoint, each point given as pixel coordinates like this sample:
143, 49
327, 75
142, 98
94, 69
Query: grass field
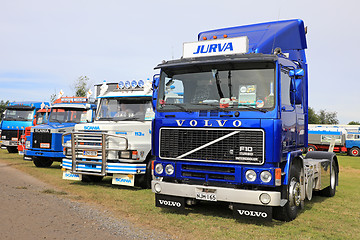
322, 218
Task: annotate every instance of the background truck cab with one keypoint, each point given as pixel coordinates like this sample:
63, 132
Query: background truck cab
44, 145
118, 143
17, 116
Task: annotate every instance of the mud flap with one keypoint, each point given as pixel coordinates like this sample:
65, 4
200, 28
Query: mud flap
252, 212
172, 202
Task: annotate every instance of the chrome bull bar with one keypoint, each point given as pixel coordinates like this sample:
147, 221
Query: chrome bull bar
102, 138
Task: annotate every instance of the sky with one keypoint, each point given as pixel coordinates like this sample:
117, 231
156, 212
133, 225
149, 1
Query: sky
46, 45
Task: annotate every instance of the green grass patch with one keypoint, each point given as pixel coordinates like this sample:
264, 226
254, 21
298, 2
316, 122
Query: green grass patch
323, 218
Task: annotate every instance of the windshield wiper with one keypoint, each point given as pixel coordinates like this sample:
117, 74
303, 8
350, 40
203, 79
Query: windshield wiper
106, 119
253, 108
217, 79
55, 120
179, 106
131, 119
209, 104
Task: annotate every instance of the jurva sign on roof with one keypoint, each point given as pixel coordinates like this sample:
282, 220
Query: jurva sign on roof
224, 46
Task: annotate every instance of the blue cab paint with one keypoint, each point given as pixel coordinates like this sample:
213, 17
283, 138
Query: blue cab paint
46, 140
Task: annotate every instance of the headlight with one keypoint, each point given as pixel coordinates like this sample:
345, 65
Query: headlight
67, 144
125, 154
169, 169
159, 169
250, 175
265, 198
265, 176
27, 144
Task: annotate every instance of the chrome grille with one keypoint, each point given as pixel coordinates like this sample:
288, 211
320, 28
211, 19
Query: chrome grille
213, 145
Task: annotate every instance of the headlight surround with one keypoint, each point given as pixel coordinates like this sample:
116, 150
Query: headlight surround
169, 169
265, 176
159, 169
250, 175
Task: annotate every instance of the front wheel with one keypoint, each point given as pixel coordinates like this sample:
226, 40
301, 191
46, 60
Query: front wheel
42, 162
12, 149
294, 203
311, 148
354, 151
144, 181
91, 178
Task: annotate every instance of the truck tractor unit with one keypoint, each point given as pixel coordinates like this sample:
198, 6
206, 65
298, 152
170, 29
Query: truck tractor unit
118, 143
40, 118
236, 132
17, 116
345, 141
44, 145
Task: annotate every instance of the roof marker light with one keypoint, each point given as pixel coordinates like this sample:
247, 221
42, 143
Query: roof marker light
134, 83
225, 36
204, 38
127, 84
141, 83
214, 37
121, 84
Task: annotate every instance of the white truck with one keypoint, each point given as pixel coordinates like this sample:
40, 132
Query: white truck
118, 142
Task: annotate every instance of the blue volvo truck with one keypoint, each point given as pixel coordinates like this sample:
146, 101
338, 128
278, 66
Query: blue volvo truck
17, 116
44, 145
236, 132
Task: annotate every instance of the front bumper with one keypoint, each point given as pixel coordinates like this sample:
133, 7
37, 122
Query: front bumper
34, 153
9, 143
222, 194
121, 168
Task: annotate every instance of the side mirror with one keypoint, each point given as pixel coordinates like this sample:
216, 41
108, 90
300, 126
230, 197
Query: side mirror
89, 115
156, 79
155, 85
297, 73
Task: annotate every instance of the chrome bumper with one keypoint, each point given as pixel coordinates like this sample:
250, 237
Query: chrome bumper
222, 194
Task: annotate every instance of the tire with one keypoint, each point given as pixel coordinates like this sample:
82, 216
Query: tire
144, 181
294, 203
12, 149
91, 178
334, 175
311, 148
354, 151
42, 162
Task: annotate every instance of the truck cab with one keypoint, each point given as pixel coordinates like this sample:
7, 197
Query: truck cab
17, 116
118, 143
237, 133
44, 144
40, 118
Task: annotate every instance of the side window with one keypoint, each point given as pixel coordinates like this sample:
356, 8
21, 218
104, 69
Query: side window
285, 89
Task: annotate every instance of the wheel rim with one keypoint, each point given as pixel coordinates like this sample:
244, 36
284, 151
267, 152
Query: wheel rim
333, 178
294, 193
355, 152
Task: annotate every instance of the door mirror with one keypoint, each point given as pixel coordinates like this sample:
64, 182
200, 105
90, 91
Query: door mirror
155, 85
297, 73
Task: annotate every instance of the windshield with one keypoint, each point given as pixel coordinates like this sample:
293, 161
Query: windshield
40, 117
231, 87
18, 115
62, 115
118, 109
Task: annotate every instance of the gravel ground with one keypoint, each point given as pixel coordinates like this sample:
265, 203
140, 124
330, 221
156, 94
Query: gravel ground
31, 209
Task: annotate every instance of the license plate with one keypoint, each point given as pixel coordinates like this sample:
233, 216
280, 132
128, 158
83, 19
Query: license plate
90, 153
14, 139
206, 196
44, 145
